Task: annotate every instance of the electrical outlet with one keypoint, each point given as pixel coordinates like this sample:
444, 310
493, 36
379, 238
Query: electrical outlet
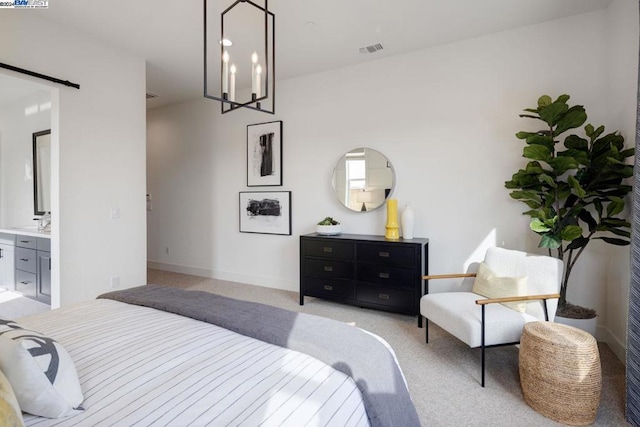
166, 250
115, 282
115, 213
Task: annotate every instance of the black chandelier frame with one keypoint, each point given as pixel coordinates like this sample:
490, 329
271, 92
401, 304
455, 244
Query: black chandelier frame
269, 88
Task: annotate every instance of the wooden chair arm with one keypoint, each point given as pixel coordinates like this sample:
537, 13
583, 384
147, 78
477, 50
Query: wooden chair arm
448, 276
515, 299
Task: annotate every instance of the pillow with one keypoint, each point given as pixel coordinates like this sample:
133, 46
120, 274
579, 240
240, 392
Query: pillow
489, 285
40, 371
10, 413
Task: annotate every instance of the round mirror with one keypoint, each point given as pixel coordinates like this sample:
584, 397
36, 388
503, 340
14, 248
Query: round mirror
363, 179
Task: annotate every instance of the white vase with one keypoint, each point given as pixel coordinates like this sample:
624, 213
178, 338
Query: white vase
587, 325
407, 218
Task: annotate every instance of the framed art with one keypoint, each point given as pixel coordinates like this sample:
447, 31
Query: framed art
266, 212
264, 154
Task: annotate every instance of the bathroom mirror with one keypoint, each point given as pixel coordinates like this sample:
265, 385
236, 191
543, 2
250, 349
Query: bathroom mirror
363, 179
42, 172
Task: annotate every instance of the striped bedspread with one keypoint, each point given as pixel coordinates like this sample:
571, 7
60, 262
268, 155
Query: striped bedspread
144, 367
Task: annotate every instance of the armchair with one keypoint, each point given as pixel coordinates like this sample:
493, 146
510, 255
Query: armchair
485, 321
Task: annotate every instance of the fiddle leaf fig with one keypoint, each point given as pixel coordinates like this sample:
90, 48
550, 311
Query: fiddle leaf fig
539, 226
574, 117
550, 241
537, 152
574, 185
544, 101
571, 232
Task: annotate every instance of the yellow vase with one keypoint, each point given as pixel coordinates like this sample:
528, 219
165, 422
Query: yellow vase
393, 229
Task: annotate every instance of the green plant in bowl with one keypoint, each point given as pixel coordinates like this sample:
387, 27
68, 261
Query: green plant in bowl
328, 221
328, 227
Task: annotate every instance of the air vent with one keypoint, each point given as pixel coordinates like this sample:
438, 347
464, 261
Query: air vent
151, 95
371, 49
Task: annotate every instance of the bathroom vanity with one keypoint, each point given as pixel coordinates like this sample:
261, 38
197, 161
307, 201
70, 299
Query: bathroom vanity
25, 262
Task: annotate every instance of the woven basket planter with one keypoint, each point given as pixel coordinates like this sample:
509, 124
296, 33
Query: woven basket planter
560, 372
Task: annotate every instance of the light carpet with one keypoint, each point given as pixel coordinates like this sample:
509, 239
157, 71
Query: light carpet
444, 375
13, 305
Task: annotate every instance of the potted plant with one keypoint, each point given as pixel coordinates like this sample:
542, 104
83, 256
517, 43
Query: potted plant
328, 227
574, 187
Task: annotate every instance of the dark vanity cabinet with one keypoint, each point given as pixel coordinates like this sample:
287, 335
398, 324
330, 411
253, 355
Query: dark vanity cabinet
33, 267
363, 270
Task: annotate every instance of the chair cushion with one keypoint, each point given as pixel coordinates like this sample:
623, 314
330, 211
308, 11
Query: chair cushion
544, 275
458, 314
490, 285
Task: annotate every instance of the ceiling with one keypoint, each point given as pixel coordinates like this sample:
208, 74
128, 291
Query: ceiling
311, 35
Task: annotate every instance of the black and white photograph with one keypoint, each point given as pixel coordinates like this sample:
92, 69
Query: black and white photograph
264, 154
266, 212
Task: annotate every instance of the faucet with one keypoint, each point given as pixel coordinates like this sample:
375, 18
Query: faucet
44, 221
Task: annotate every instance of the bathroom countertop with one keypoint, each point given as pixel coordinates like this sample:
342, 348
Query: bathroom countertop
27, 230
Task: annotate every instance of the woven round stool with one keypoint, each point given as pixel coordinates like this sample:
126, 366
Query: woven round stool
560, 372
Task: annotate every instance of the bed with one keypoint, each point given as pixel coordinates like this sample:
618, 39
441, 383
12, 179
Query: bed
156, 355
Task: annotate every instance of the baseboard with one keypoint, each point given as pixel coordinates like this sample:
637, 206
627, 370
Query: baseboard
616, 345
266, 282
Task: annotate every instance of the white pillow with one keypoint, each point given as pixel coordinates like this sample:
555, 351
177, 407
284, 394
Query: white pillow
489, 285
40, 371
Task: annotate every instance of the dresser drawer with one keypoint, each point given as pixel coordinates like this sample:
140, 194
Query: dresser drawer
26, 241
329, 249
387, 254
329, 288
393, 277
26, 283
26, 259
328, 268
392, 299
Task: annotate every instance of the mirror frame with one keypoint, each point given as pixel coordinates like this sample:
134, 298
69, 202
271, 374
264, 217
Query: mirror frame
387, 195
36, 207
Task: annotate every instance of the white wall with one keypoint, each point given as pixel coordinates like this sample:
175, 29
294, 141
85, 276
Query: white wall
19, 119
623, 99
98, 160
445, 117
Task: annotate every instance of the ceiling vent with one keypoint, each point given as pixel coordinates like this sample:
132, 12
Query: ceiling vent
151, 95
371, 49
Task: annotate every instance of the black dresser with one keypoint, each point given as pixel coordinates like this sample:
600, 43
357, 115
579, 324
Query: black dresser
363, 270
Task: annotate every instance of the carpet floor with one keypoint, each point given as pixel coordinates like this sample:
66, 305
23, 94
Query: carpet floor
13, 305
444, 375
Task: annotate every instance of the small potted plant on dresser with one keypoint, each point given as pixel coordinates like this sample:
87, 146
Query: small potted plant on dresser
328, 227
575, 190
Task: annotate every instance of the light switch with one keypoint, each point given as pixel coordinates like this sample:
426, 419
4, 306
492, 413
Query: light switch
115, 213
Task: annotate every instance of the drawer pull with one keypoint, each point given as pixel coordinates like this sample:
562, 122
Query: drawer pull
384, 275
383, 254
25, 282
383, 296
327, 249
328, 268
24, 259
328, 287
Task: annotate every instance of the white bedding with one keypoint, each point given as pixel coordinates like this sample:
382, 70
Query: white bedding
139, 366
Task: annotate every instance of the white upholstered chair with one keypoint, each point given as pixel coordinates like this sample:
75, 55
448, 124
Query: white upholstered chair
485, 322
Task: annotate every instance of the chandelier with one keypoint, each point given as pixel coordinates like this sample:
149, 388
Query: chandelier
239, 69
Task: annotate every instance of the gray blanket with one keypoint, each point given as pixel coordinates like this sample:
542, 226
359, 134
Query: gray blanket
345, 348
